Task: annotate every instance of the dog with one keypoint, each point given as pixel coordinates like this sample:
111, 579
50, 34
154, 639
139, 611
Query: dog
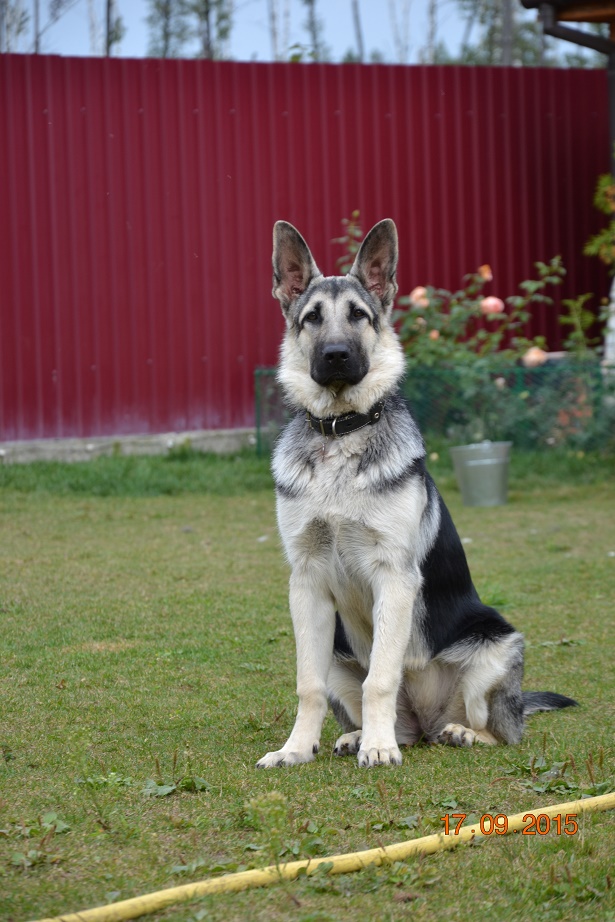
389, 628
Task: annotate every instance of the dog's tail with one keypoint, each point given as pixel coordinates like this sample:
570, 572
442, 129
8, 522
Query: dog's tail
545, 701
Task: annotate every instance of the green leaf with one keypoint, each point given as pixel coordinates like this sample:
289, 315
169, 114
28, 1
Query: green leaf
18, 859
408, 822
323, 868
193, 783
153, 789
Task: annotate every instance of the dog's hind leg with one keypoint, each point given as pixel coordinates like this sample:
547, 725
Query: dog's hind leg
490, 689
345, 690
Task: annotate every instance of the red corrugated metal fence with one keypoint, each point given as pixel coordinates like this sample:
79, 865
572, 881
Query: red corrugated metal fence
137, 200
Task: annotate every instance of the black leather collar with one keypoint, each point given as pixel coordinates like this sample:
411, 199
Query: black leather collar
338, 426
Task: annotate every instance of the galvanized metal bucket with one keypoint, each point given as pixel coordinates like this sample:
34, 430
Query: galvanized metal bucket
482, 472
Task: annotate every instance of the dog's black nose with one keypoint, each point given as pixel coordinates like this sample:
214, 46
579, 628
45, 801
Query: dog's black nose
341, 362
336, 354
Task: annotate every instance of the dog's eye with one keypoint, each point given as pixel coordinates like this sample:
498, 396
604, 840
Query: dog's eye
358, 313
311, 317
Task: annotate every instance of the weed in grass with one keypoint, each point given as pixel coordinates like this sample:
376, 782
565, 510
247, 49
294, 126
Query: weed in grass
45, 829
561, 777
279, 834
268, 815
566, 885
33, 857
184, 780
113, 779
47, 824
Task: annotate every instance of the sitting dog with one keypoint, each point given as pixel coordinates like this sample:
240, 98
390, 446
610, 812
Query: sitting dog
388, 625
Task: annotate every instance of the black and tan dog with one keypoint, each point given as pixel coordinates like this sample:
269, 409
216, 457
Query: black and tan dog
388, 625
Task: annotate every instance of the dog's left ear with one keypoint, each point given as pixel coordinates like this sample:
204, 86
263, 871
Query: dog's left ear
376, 262
293, 264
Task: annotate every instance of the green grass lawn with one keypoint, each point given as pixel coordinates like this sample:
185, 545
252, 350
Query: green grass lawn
147, 662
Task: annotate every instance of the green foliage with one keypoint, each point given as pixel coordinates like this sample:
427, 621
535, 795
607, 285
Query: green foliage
173, 24
350, 241
491, 38
563, 778
44, 829
439, 327
314, 26
182, 471
465, 358
602, 244
184, 780
279, 835
212, 25
268, 816
581, 320
474, 374
16, 21
559, 404
168, 27
113, 779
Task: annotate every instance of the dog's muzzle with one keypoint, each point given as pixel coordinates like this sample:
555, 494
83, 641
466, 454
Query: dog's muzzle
338, 362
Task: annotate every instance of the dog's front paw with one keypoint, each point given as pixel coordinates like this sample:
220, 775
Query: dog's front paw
286, 757
348, 744
378, 755
456, 735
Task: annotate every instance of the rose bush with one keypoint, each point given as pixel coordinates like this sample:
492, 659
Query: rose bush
474, 373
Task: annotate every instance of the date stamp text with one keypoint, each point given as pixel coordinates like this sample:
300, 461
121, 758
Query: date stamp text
533, 824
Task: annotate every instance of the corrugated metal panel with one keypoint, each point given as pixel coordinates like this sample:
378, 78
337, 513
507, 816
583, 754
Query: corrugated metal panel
138, 198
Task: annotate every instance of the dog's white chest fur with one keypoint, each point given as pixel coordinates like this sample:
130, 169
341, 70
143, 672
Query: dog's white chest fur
330, 485
344, 534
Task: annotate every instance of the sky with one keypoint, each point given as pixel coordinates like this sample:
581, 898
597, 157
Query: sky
250, 37
250, 40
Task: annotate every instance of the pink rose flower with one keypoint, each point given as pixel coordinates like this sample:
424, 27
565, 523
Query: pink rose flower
492, 305
418, 296
534, 357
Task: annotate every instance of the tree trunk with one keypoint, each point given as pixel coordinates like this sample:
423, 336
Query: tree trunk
358, 31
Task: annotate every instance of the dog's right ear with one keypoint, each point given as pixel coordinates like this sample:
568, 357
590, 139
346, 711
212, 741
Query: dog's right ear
293, 265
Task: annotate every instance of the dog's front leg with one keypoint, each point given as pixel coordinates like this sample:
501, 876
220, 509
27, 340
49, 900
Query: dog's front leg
394, 596
313, 613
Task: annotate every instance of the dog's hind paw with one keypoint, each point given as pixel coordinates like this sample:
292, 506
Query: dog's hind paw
348, 744
458, 735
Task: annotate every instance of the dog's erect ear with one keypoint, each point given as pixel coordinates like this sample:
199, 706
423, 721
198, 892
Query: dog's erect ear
376, 262
293, 265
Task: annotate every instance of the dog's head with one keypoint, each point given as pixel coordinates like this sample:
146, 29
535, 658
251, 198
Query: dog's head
340, 352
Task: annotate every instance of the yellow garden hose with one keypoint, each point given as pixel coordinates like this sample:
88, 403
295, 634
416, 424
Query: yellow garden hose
338, 864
